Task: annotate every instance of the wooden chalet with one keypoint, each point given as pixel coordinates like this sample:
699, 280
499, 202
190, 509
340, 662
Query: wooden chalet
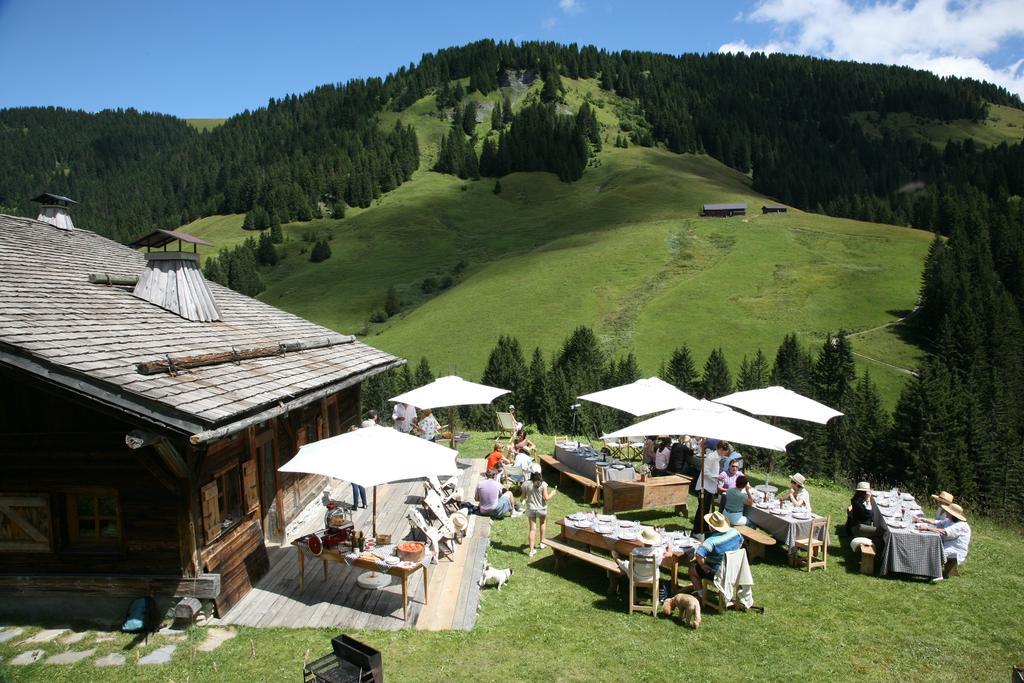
724, 210
774, 208
145, 415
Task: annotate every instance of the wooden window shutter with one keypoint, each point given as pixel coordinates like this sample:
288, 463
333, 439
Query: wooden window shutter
211, 513
250, 486
25, 523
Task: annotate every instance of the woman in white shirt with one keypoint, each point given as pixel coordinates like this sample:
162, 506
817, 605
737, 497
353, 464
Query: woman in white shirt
797, 494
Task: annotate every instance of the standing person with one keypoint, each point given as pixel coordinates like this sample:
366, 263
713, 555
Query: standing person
662, 454
359, 492
797, 494
428, 425
371, 418
537, 495
707, 487
404, 417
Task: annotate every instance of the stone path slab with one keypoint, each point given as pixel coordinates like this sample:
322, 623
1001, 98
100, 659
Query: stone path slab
159, 656
7, 634
74, 637
70, 657
215, 637
29, 657
113, 659
44, 636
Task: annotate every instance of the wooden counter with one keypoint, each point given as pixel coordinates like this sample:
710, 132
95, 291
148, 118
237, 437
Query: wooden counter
656, 492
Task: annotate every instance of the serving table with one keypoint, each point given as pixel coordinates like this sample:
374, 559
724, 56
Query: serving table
369, 562
656, 492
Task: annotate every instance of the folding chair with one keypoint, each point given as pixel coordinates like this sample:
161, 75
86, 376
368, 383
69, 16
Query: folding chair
450, 498
506, 424
435, 505
439, 543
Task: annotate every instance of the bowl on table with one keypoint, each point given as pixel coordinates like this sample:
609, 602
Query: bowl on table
411, 551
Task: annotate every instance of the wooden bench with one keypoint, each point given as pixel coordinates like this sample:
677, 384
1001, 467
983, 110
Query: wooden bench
562, 550
867, 559
757, 541
591, 489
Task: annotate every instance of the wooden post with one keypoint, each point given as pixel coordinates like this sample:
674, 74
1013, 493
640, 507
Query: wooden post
451, 424
374, 513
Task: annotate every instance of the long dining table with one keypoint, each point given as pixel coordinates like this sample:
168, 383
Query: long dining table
905, 550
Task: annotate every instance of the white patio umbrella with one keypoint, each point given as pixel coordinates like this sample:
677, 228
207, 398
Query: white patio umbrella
369, 457
448, 392
779, 402
643, 397
711, 420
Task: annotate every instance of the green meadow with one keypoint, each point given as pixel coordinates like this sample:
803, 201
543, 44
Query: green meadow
622, 250
204, 124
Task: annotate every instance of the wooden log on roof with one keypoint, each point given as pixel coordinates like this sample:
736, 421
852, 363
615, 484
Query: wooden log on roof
173, 364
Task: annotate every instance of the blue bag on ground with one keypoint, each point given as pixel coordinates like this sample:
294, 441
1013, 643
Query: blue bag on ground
140, 616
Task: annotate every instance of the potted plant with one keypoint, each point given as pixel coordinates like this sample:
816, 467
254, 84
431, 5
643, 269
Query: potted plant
642, 472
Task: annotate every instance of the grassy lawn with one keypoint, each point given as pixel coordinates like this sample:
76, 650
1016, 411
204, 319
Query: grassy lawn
204, 124
1004, 124
834, 624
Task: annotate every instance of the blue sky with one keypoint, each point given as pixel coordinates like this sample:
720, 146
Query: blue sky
216, 58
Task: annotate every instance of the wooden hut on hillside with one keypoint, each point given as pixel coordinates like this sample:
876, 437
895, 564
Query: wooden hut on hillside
145, 414
774, 208
724, 210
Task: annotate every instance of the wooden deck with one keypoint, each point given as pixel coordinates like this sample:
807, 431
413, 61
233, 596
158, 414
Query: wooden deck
339, 602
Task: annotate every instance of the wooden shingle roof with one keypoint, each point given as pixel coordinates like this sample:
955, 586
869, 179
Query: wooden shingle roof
89, 338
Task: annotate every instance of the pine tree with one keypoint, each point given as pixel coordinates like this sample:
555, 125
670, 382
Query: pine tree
469, 118
717, 380
392, 304
424, 375
212, 270
506, 368
792, 368
497, 187
681, 371
754, 373
537, 404
267, 254
276, 233
506, 110
497, 122
321, 251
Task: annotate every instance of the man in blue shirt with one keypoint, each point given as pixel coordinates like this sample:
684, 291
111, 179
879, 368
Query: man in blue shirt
711, 553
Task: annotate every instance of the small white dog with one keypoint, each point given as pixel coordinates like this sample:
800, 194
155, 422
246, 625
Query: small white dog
688, 606
495, 576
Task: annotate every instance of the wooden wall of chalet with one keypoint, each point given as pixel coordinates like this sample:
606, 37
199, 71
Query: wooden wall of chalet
56, 455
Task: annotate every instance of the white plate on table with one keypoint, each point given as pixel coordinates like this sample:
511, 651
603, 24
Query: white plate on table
628, 524
618, 467
604, 528
392, 560
629, 534
907, 496
406, 565
780, 512
606, 518
576, 516
802, 516
762, 505
897, 525
584, 523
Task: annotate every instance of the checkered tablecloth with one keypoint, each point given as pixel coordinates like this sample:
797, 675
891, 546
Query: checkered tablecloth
583, 460
783, 529
906, 551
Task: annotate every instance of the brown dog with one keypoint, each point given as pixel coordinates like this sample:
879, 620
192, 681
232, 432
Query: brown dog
689, 609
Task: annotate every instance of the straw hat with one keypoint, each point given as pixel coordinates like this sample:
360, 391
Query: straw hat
650, 536
943, 498
863, 486
798, 478
717, 521
459, 521
955, 511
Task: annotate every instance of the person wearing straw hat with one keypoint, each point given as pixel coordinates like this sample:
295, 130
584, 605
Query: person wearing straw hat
797, 494
956, 536
941, 498
711, 553
652, 545
859, 519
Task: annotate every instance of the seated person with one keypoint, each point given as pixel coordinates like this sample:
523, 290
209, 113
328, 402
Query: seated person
797, 494
515, 418
727, 480
955, 534
650, 445
428, 425
711, 553
493, 502
661, 456
497, 455
734, 500
523, 461
859, 520
653, 546
521, 443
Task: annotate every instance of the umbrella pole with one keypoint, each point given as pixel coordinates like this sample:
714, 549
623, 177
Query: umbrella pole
451, 424
700, 489
375, 512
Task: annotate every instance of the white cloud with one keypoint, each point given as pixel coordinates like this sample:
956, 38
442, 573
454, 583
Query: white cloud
570, 6
947, 38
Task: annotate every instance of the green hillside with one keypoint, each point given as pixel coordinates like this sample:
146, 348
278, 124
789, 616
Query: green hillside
204, 124
1004, 124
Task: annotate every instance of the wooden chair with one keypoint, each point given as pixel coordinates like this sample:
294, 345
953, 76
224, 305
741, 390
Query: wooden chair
643, 573
435, 505
599, 473
712, 596
816, 545
506, 424
450, 497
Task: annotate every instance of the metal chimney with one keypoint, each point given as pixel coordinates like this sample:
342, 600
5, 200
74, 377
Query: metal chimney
53, 209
